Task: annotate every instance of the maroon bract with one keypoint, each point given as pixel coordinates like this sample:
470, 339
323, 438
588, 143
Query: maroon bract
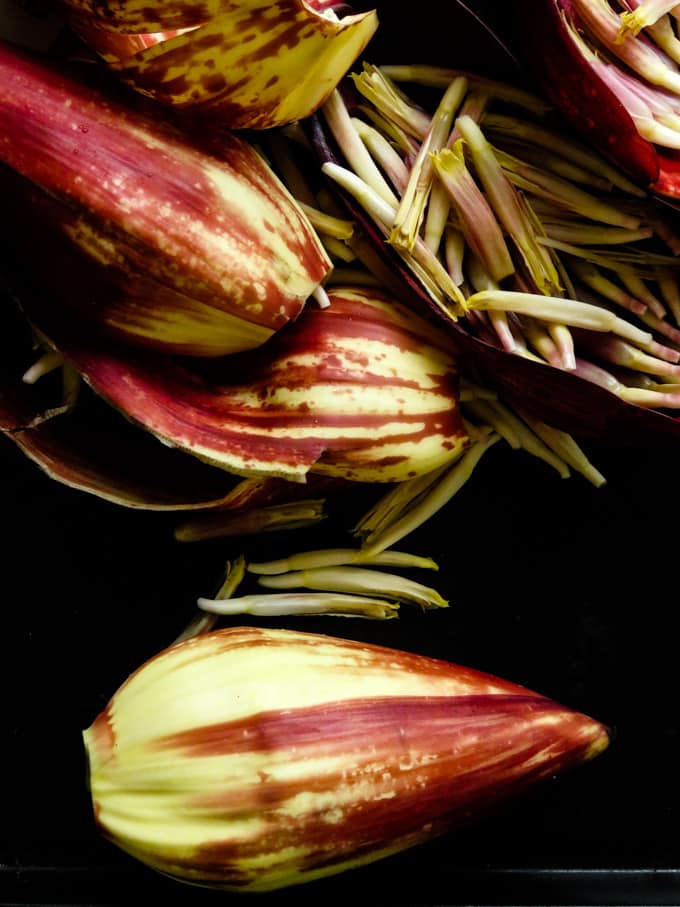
571, 81
90, 447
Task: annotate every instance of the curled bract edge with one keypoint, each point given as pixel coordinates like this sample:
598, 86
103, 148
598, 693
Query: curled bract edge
86, 445
247, 65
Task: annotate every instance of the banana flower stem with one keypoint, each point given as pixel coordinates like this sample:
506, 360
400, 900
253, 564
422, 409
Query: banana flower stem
378, 88
645, 14
440, 77
478, 222
507, 207
414, 199
340, 124
382, 213
48, 362
637, 52
538, 136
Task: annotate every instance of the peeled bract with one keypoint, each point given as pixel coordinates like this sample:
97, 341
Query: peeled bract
363, 390
245, 64
576, 80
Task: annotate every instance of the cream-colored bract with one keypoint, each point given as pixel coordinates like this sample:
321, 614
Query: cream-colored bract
253, 65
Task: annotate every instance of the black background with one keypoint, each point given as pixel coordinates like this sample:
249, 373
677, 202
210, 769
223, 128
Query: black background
568, 589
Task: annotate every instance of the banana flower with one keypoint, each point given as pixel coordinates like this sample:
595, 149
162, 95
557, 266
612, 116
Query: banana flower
253, 759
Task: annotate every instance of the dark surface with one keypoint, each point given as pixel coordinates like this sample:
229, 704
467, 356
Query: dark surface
554, 584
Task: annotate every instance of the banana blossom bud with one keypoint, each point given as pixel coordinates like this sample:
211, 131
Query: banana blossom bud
145, 234
363, 390
254, 759
242, 63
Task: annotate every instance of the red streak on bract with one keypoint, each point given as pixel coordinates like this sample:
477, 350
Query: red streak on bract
94, 449
413, 768
389, 771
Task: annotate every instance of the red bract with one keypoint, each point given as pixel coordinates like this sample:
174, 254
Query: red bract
245, 64
550, 29
94, 449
